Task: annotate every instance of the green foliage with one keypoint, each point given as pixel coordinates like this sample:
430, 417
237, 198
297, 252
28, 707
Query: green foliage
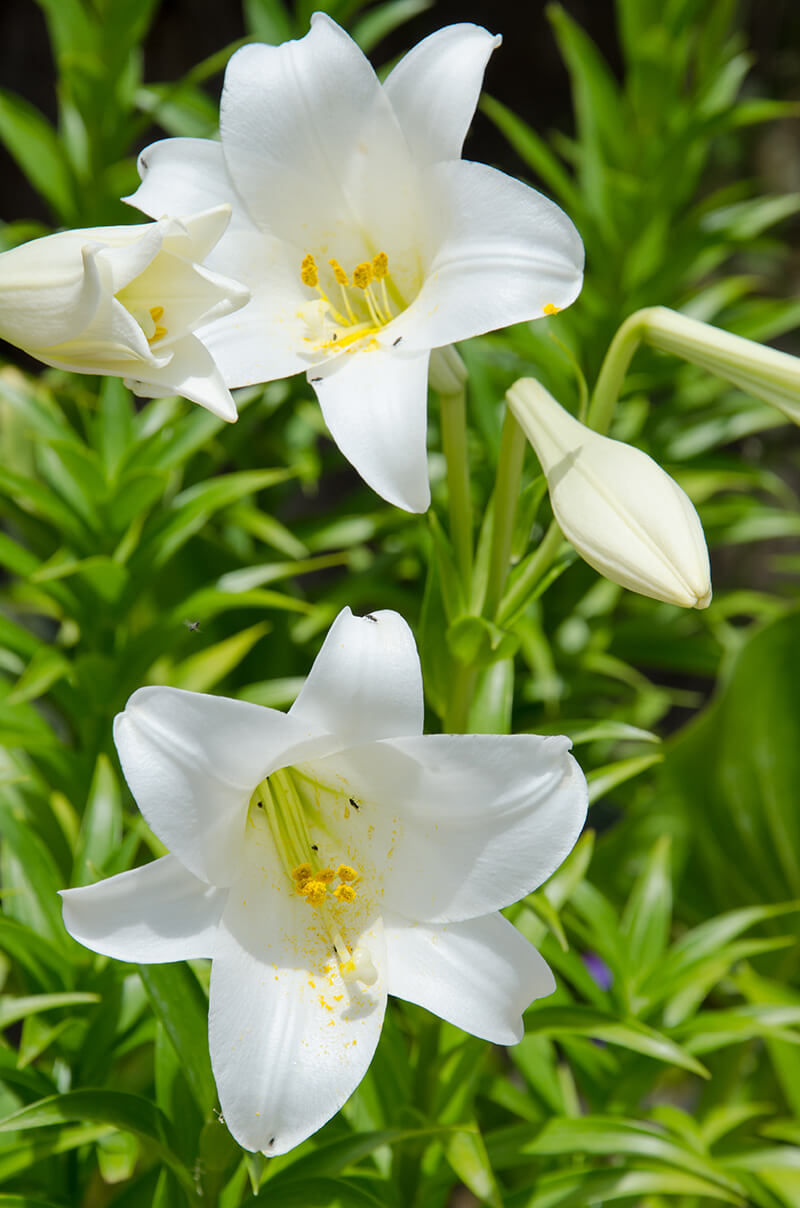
159, 545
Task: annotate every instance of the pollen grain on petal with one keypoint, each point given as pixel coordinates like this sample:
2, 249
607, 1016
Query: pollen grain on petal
550, 309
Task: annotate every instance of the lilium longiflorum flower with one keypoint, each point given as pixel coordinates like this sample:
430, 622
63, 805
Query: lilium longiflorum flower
364, 238
124, 300
328, 857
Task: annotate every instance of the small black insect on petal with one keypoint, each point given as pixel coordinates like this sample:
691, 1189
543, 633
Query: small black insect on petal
396, 342
369, 617
314, 847
354, 804
319, 379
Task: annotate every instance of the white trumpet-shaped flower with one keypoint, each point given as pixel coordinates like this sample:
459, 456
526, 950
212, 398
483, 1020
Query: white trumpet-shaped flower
364, 238
624, 514
124, 300
326, 857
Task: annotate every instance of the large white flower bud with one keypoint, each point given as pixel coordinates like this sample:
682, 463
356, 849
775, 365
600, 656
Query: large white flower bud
624, 514
124, 300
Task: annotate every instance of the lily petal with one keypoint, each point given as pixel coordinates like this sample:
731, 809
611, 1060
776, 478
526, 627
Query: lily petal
192, 762
289, 1040
460, 825
261, 344
366, 681
184, 175
503, 254
314, 149
153, 914
375, 406
479, 975
40, 307
192, 373
434, 89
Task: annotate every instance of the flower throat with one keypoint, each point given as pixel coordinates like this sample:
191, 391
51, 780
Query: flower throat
365, 307
278, 796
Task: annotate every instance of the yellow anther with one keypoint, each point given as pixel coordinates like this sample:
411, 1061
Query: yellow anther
156, 312
313, 891
549, 309
347, 874
344, 893
308, 271
302, 873
338, 272
380, 265
362, 275
158, 334
326, 875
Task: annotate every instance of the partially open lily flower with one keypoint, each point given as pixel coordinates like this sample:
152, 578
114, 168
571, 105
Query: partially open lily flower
328, 857
364, 238
124, 300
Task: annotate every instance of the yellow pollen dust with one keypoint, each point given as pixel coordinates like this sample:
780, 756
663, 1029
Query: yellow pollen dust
550, 309
302, 873
313, 891
380, 265
347, 874
344, 893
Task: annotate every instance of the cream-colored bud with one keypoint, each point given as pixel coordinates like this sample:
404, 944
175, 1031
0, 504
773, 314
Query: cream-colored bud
624, 514
124, 300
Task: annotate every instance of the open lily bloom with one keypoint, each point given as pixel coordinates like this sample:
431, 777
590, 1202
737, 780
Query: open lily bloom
326, 857
364, 238
124, 300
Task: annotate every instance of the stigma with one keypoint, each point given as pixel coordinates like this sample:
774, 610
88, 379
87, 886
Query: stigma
362, 307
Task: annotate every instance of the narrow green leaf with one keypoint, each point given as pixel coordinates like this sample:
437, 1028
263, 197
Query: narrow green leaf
13, 1009
627, 1034
131, 1113
35, 146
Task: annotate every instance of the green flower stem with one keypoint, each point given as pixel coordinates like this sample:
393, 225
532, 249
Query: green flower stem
612, 372
462, 689
767, 373
540, 562
448, 377
506, 496
454, 442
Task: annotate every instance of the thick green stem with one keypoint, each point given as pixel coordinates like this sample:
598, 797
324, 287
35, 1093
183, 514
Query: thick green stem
506, 497
462, 689
448, 378
536, 567
613, 370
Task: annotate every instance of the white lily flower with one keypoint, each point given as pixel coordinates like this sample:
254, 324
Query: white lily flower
326, 857
364, 238
124, 300
624, 515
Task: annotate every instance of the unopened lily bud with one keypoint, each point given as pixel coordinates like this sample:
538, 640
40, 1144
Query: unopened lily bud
126, 301
624, 514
